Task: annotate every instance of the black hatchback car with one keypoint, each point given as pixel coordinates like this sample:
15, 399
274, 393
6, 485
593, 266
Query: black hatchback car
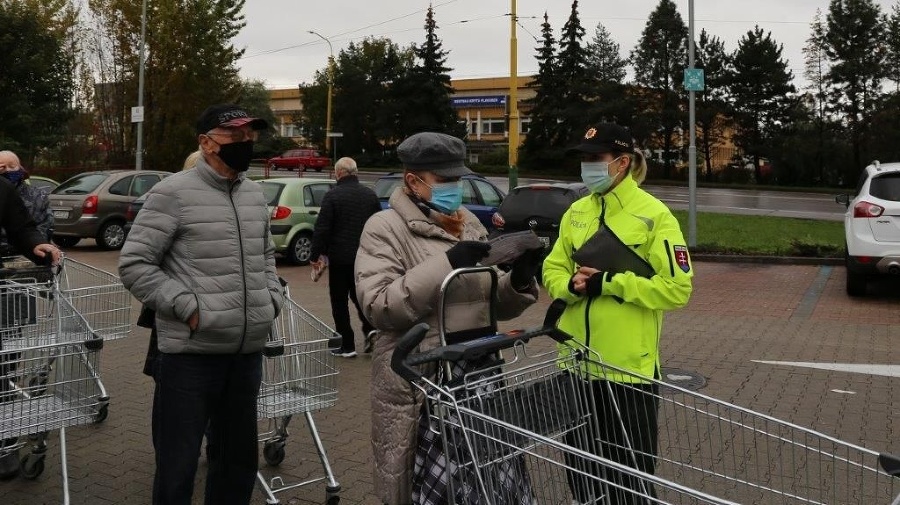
538, 207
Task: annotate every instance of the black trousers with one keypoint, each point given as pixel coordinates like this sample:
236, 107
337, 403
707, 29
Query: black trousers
622, 428
341, 284
194, 391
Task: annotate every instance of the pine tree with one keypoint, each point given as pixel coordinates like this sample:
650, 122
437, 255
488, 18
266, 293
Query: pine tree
426, 89
761, 91
854, 43
605, 68
712, 107
815, 70
571, 76
659, 62
542, 131
893, 47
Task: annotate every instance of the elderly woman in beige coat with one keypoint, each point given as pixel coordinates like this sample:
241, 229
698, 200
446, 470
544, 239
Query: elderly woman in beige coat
405, 254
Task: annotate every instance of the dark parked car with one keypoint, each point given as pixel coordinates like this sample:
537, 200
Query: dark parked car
538, 207
480, 196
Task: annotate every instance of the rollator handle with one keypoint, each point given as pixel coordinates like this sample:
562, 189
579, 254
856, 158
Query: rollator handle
551, 318
399, 362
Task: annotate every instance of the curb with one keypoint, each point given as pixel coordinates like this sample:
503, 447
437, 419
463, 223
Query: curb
776, 260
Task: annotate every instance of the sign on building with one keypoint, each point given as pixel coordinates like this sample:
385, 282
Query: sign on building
479, 101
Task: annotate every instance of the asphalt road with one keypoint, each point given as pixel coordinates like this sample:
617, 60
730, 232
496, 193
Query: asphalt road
724, 201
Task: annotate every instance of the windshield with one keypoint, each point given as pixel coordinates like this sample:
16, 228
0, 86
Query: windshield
385, 186
272, 191
80, 184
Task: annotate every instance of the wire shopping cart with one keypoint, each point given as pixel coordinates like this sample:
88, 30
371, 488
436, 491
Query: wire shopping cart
299, 376
49, 367
528, 430
99, 296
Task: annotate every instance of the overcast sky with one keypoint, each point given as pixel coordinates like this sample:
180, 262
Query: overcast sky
281, 52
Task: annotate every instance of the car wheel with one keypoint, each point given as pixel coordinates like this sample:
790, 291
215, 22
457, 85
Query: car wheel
66, 241
319, 169
300, 248
111, 235
856, 283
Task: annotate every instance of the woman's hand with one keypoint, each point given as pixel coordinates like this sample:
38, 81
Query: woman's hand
579, 280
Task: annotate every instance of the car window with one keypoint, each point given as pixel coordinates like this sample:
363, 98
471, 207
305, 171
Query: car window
80, 184
886, 187
272, 192
313, 194
143, 183
45, 186
121, 186
862, 180
489, 195
385, 186
468, 193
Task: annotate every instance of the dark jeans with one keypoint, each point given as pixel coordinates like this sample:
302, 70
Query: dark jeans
637, 412
341, 285
193, 390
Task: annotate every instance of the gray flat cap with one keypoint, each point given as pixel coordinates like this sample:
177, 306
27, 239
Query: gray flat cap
438, 153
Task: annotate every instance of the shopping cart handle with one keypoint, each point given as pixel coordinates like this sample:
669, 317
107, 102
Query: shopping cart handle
399, 360
890, 464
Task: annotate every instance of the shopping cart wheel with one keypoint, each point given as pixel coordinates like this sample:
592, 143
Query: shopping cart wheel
32, 466
273, 452
101, 414
332, 499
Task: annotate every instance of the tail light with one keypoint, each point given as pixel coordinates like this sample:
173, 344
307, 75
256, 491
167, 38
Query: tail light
280, 212
129, 214
497, 220
90, 205
866, 209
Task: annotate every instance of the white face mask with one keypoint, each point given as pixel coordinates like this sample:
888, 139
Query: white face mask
595, 175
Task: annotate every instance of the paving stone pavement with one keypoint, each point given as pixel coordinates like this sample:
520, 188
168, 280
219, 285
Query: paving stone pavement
738, 313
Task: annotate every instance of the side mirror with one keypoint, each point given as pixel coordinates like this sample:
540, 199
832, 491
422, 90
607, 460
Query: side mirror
843, 198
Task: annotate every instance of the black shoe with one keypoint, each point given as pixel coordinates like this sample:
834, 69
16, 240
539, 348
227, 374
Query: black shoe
9, 465
369, 341
344, 354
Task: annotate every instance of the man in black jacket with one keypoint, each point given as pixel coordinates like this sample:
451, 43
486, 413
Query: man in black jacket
345, 210
23, 235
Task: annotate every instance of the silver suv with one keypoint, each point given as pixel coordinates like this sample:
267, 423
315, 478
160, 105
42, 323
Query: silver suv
872, 226
95, 205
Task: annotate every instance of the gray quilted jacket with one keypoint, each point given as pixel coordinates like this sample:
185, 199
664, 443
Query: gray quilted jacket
400, 266
201, 242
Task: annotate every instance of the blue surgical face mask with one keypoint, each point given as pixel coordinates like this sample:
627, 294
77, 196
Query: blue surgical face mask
595, 175
446, 196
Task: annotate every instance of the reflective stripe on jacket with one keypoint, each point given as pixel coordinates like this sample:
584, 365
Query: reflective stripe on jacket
623, 324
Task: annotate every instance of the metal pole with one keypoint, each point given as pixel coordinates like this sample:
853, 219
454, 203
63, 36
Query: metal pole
139, 146
692, 148
330, 90
513, 101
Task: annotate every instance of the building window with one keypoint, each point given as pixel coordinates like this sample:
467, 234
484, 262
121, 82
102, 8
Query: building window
493, 126
289, 130
524, 124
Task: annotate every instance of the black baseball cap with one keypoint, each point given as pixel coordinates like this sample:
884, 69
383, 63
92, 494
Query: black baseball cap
227, 115
605, 138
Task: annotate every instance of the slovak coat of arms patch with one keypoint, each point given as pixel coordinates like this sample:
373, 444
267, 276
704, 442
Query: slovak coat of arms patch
682, 258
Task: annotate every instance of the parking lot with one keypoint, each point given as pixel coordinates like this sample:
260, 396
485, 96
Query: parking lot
740, 316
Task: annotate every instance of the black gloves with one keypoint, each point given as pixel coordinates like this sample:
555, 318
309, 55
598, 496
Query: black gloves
525, 267
594, 284
467, 253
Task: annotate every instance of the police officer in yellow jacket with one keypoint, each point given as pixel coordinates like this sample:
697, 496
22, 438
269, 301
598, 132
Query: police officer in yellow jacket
618, 314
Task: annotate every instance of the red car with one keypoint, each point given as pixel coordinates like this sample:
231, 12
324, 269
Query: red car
299, 159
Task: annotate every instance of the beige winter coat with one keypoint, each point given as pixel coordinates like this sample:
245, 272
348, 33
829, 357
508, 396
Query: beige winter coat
400, 266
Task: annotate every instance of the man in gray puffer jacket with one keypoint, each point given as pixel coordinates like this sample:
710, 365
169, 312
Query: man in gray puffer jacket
200, 255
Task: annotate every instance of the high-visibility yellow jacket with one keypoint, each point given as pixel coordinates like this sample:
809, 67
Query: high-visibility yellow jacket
623, 324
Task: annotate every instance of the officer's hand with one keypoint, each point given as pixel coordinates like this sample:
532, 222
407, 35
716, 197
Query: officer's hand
525, 267
467, 253
578, 283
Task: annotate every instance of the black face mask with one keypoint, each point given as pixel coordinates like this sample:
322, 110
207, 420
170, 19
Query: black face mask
237, 155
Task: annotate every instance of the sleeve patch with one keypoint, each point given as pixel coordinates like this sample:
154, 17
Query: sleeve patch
682, 258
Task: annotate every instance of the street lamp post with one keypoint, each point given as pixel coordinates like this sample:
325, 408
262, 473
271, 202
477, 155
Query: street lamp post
513, 101
330, 90
139, 145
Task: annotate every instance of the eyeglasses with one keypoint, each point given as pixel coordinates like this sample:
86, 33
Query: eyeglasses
237, 134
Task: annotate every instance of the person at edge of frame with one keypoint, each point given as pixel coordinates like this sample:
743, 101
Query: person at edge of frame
24, 236
618, 314
201, 256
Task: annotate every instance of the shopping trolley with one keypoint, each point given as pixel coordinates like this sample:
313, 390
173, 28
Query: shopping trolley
99, 296
524, 429
299, 376
49, 367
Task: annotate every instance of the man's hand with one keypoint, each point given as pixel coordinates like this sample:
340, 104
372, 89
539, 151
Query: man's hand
194, 320
42, 250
